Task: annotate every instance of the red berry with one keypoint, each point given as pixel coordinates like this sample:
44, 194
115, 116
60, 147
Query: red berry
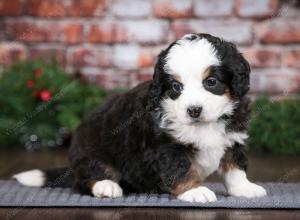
30, 84
45, 95
38, 72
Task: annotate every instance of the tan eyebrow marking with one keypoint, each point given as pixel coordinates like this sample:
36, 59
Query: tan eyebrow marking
178, 78
206, 73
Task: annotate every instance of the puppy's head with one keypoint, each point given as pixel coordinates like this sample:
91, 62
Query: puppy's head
199, 78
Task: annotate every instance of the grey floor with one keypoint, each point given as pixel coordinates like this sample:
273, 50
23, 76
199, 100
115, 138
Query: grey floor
261, 168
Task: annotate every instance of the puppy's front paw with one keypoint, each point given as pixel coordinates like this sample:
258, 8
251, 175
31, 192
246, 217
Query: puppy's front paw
248, 190
200, 194
107, 188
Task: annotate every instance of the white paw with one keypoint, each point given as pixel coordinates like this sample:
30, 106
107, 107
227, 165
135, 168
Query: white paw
248, 190
200, 194
107, 188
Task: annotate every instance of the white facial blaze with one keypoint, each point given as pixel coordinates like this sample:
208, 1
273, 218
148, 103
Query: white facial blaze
190, 61
191, 58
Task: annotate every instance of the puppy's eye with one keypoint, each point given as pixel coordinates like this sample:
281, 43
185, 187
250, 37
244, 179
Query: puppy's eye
176, 87
211, 82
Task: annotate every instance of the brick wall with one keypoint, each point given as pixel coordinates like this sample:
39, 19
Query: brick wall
115, 42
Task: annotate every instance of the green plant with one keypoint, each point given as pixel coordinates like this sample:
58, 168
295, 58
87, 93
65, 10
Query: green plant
41, 104
275, 126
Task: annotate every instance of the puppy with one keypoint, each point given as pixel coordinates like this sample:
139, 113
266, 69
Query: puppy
168, 134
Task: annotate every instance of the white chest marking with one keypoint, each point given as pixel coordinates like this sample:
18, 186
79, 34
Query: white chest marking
211, 139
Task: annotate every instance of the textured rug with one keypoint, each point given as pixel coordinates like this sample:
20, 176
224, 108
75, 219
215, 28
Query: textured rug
13, 194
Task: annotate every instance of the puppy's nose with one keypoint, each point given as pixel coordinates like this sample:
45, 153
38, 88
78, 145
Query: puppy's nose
194, 111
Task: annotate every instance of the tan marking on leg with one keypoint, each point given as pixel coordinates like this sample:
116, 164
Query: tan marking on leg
230, 165
189, 181
227, 163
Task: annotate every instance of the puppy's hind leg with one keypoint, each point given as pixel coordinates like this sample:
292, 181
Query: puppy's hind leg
98, 179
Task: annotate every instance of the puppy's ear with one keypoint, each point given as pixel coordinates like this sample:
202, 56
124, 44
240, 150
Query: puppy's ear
156, 87
240, 82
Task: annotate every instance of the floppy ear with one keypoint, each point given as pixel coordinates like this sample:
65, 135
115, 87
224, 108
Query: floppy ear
156, 88
240, 82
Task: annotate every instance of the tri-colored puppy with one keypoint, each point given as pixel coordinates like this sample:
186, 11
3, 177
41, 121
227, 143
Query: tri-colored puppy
167, 135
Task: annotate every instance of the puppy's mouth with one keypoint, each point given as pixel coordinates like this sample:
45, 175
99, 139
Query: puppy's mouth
198, 121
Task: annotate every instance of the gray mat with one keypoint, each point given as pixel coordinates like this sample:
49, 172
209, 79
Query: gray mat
13, 194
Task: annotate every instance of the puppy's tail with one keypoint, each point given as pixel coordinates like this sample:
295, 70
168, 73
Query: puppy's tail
61, 177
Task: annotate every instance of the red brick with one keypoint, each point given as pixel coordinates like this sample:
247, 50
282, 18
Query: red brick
86, 8
11, 7
204, 8
46, 8
172, 8
48, 53
257, 9
146, 58
263, 57
102, 32
73, 8
278, 31
292, 58
73, 33
31, 31
45, 31
91, 57
274, 81
93, 7
237, 32
11, 52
